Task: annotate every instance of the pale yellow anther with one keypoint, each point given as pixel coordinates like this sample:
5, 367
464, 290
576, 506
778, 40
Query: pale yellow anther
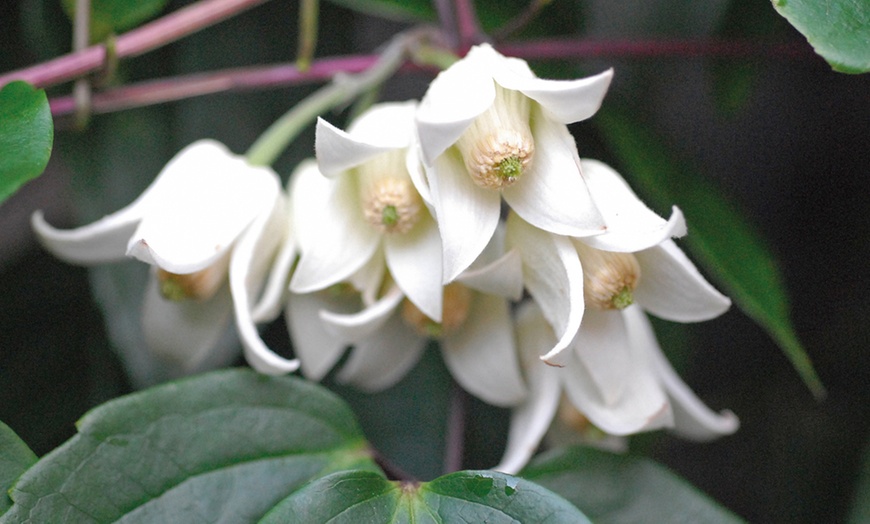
456, 305
609, 278
390, 202
498, 146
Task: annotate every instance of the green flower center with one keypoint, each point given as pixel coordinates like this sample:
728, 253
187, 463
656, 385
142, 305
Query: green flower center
623, 299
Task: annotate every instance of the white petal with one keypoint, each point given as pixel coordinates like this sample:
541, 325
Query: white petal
553, 276
566, 101
102, 241
418, 174
204, 198
384, 127
455, 97
642, 406
334, 239
248, 266
552, 194
352, 327
672, 288
481, 355
369, 279
603, 346
414, 259
317, 349
467, 215
692, 419
502, 277
530, 420
383, 359
631, 226
184, 332
268, 307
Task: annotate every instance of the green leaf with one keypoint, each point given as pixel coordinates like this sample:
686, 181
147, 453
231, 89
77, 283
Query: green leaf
613, 488
465, 496
405, 10
115, 16
222, 446
720, 236
15, 458
26, 135
838, 30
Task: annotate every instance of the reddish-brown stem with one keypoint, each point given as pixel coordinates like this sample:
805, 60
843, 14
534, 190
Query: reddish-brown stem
469, 28
150, 36
561, 48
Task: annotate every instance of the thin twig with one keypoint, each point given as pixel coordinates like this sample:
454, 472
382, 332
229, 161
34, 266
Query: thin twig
455, 448
469, 28
150, 36
447, 22
309, 11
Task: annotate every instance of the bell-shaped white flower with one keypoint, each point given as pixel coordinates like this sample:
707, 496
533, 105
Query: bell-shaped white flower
364, 203
627, 387
389, 334
489, 128
551, 264
209, 226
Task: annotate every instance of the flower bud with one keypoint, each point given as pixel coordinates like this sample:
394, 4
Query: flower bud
456, 305
498, 145
609, 278
390, 201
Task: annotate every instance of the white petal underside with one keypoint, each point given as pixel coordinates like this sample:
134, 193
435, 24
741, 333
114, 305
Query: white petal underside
467, 215
692, 418
481, 355
414, 259
204, 198
672, 288
631, 225
553, 276
334, 238
530, 419
316, 348
551, 194
383, 359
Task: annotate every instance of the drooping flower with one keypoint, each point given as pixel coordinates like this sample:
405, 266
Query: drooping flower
551, 264
489, 128
613, 371
365, 205
208, 226
616, 376
389, 334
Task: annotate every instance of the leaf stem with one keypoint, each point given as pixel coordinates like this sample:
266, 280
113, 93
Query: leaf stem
309, 11
469, 28
160, 32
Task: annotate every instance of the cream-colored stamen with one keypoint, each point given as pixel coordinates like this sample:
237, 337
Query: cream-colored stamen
498, 146
609, 278
572, 417
390, 201
201, 285
455, 308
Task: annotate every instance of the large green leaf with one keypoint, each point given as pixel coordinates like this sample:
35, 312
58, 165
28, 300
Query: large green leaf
226, 446
612, 488
15, 458
466, 496
407, 10
114, 16
26, 135
721, 237
839, 30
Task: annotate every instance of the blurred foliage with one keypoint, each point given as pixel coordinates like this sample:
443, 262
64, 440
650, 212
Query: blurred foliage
26, 135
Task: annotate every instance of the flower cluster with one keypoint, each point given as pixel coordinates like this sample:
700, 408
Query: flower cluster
469, 218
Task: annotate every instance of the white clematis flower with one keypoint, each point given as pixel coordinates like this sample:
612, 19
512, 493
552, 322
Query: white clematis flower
489, 128
365, 203
208, 225
650, 393
552, 266
614, 372
390, 333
